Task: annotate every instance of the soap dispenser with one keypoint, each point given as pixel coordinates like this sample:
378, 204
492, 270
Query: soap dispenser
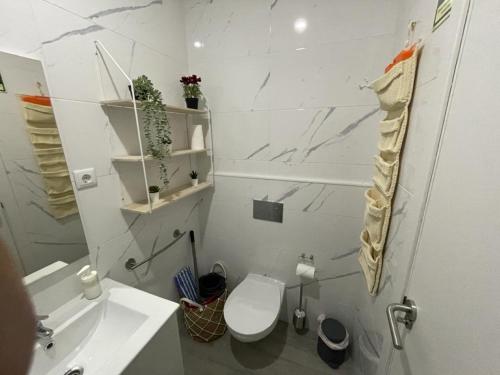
90, 282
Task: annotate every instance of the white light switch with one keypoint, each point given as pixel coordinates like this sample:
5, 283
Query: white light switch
84, 178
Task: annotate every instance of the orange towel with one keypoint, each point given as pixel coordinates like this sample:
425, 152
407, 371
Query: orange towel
35, 99
402, 56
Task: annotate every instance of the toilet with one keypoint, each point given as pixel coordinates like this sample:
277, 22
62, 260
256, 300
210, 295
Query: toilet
252, 309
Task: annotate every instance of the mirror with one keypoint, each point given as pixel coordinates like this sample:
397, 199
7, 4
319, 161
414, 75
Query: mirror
39, 219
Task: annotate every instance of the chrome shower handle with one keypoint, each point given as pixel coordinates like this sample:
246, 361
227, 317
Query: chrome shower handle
410, 309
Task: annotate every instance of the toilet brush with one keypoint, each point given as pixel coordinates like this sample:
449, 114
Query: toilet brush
299, 315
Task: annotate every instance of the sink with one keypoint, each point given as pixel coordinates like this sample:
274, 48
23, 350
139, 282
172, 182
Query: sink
102, 336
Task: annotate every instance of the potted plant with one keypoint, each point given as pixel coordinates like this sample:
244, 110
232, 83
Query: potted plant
154, 193
194, 178
192, 91
156, 126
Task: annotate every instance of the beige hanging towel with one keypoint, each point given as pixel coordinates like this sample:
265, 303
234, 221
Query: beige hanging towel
386, 173
392, 130
63, 206
47, 156
47, 147
57, 182
395, 88
394, 91
370, 259
39, 115
44, 137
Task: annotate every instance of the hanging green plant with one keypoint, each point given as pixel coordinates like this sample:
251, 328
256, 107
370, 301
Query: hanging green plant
156, 126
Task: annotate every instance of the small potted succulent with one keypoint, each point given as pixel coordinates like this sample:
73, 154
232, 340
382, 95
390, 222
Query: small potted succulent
154, 193
192, 91
194, 178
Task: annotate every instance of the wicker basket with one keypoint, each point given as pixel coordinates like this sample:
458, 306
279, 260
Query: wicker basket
205, 323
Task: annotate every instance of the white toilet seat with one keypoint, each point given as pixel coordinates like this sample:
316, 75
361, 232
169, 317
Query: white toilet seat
252, 309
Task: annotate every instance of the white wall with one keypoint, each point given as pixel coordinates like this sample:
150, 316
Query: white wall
146, 37
293, 106
283, 105
436, 67
18, 31
457, 258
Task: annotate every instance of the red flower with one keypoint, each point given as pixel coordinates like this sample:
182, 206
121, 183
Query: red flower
190, 80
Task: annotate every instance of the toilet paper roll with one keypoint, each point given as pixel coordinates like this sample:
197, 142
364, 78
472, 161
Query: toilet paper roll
197, 141
305, 271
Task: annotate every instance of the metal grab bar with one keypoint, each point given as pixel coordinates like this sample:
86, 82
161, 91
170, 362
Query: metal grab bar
131, 264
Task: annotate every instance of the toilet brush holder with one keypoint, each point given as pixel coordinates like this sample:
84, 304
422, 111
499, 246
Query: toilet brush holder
305, 271
299, 315
299, 319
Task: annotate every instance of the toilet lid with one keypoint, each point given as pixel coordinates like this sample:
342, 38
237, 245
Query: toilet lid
253, 306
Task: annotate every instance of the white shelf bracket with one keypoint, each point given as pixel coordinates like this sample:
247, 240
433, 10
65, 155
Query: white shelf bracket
100, 48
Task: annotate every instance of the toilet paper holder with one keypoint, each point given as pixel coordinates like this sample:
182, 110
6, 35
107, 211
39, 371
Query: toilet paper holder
306, 259
299, 315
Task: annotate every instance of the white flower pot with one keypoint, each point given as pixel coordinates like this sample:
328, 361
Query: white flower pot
194, 181
154, 197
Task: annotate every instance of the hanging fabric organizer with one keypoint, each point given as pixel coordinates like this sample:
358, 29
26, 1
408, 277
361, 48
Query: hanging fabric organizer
394, 90
47, 147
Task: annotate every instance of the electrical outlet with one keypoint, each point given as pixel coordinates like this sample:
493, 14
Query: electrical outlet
85, 178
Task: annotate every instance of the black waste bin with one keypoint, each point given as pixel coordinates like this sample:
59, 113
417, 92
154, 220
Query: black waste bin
333, 340
213, 284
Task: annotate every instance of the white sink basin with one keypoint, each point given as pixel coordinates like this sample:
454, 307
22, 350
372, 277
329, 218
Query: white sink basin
103, 335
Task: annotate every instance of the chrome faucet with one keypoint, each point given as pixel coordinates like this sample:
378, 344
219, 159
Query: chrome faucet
44, 334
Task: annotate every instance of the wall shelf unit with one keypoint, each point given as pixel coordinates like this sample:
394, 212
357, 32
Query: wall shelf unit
132, 159
169, 108
173, 154
167, 198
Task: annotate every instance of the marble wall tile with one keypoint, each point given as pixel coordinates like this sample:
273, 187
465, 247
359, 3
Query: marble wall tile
104, 202
320, 76
136, 20
73, 32
14, 142
145, 37
329, 21
327, 135
86, 128
310, 211
17, 37
291, 106
236, 84
26, 214
143, 239
242, 135
326, 75
164, 70
225, 29
276, 111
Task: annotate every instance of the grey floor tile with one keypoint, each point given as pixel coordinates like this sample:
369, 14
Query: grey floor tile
282, 352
